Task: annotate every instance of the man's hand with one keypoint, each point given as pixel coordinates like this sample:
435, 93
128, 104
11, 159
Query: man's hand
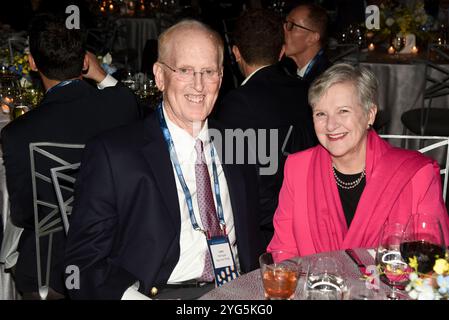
94, 70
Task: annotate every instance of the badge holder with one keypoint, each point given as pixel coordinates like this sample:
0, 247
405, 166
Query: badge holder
222, 260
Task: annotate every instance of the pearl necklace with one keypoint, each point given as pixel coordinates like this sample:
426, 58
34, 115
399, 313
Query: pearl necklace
348, 185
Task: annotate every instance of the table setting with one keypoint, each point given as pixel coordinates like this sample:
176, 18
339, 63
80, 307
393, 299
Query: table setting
409, 263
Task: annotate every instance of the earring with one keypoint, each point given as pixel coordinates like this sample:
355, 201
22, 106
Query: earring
370, 126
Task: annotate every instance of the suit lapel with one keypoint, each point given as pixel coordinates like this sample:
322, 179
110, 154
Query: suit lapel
157, 156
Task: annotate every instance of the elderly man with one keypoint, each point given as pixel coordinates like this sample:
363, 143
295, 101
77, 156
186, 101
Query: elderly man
267, 99
305, 31
146, 218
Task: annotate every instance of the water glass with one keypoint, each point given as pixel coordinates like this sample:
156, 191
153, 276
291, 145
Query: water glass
325, 280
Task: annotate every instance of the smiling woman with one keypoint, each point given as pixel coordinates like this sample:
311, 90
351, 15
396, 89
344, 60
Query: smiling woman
339, 194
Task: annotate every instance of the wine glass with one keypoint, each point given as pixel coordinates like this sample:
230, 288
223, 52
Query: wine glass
423, 238
393, 268
398, 43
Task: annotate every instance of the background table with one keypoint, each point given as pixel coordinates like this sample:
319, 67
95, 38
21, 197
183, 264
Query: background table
401, 88
249, 286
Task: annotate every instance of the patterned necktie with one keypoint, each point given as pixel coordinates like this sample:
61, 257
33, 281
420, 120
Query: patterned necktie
206, 206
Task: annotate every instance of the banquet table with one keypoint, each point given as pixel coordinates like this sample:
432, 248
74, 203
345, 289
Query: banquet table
249, 286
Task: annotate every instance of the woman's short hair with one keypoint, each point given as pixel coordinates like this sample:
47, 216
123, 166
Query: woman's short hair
363, 80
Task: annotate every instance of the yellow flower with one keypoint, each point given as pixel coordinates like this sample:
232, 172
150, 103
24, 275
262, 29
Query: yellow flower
413, 262
441, 266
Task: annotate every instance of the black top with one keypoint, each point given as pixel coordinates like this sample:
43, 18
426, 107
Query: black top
350, 197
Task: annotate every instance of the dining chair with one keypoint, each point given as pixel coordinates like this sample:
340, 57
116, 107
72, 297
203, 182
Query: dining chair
434, 147
428, 120
64, 179
47, 214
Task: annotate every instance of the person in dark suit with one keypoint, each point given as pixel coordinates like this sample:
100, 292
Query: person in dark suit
305, 30
141, 215
267, 100
72, 111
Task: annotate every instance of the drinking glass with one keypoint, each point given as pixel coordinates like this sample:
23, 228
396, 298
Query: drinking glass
393, 268
423, 239
398, 43
324, 280
280, 272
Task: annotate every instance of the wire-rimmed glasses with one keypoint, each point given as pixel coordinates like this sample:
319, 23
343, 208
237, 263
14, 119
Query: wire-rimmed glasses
187, 74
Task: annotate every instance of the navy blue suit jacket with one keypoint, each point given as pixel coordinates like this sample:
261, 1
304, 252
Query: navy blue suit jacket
126, 221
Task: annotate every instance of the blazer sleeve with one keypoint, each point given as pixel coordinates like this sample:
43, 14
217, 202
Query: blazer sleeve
427, 195
93, 228
284, 238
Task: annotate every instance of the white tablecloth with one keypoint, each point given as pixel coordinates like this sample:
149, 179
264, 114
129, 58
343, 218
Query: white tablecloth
249, 286
401, 88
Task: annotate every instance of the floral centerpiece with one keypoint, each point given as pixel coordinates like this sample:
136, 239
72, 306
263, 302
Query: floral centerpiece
429, 286
406, 17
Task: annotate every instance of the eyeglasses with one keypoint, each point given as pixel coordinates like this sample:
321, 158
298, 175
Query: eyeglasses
188, 74
290, 24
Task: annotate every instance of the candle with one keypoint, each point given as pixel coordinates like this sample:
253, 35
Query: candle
391, 50
111, 7
414, 49
102, 9
371, 47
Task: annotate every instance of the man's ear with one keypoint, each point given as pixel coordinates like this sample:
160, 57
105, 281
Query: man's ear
85, 63
158, 76
236, 52
315, 37
33, 66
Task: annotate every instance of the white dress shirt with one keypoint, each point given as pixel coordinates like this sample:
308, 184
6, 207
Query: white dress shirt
302, 71
252, 73
108, 81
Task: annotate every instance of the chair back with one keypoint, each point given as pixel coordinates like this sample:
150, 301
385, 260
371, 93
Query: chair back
437, 74
47, 214
434, 147
64, 178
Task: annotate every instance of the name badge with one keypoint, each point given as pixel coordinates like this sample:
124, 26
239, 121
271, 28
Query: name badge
222, 259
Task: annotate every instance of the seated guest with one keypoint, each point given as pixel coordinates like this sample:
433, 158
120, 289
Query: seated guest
267, 99
338, 194
144, 205
305, 31
72, 111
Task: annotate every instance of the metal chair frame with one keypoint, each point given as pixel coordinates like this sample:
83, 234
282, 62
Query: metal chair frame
51, 222
440, 142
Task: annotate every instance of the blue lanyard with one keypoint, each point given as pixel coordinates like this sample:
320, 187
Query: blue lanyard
174, 158
309, 67
62, 84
